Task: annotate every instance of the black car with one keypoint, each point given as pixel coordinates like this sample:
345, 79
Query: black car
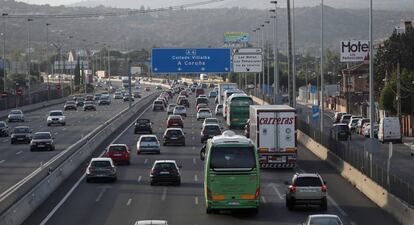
104, 101
340, 132
209, 131
70, 105
174, 136
165, 171
21, 134
42, 141
4, 129
143, 126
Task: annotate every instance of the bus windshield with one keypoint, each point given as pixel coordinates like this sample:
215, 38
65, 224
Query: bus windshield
242, 102
232, 158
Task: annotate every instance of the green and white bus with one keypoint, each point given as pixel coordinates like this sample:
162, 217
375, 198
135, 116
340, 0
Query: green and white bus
237, 112
231, 173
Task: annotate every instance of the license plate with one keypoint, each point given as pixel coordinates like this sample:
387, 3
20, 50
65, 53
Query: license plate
20, 139
164, 173
174, 138
41, 146
276, 159
117, 154
234, 203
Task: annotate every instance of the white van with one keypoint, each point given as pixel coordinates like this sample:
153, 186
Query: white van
389, 130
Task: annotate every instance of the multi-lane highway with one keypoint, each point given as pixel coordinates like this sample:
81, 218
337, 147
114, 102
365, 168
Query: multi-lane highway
16, 161
132, 198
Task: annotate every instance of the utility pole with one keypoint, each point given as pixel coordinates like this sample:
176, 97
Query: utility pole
289, 42
129, 84
28, 60
371, 74
109, 65
255, 75
398, 89
47, 61
322, 81
4, 52
263, 63
294, 57
267, 61
275, 54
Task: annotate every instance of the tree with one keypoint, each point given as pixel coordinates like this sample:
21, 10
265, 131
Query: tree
387, 98
77, 73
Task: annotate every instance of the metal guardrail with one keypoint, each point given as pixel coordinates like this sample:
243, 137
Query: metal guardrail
90, 141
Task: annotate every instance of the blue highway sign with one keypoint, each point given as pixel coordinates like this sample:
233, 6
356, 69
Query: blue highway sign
191, 60
315, 112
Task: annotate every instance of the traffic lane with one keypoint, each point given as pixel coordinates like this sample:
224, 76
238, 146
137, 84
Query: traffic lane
135, 199
130, 179
19, 161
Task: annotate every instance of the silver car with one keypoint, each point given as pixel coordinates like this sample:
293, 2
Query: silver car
203, 113
101, 168
306, 189
325, 219
151, 222
56, 117
15, 116
219, 109
180, 110
148, 144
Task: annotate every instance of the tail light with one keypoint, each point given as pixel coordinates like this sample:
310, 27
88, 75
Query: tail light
257, 194
292, 189
324, 188
209, 195
153, 171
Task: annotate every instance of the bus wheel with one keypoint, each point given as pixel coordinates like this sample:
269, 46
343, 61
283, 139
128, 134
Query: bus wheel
255, 210
209, 211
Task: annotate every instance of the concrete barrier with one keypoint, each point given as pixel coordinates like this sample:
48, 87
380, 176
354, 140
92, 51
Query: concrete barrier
393, 205
17, 203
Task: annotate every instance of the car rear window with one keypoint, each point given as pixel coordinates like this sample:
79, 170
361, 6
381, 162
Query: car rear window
143, 121
325, 221
15, 112
165, 166
42, 136
21, 130
101, 164
342, 127
204, 110
158, 103
307, 182
211, 120
180, 107
117, 148
174, 132
148, 139
174, 117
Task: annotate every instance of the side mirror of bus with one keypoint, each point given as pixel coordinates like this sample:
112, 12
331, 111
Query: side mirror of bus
202, 155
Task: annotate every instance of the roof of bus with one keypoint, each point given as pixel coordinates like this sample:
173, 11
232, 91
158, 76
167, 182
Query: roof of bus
236, 95
229, 137
272, 107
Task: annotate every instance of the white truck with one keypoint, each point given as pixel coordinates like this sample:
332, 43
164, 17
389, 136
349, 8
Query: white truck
273, 129
222, 87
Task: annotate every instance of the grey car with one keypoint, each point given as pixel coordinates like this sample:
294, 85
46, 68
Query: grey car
306, 189
4, 129
148, 144
21, 134
325, 219
16, 116
101, 168
42, 141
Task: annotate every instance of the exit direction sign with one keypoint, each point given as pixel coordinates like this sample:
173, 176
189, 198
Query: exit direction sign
247, 60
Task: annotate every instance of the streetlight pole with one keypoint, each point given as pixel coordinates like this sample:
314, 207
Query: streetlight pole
289, 49
294, 57
255, 77
263, 63
47, 60
275, 54
371, 75
109, 65
28, 59
322, 78
4, 52
267, 61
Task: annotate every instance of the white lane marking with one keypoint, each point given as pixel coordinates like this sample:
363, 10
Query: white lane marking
196, 200
129, 202
194, 161
139, 179
337, 206
146, 161
19, 152
63, 129
56, 133
164, 194
2, 161
4, 141
263, 199
195, 178
192, 132
277, 191
45, 220
56, 208
100, 195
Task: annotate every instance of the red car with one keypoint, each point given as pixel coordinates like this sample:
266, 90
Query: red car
119, 153
175, 121
147, 89
199, 91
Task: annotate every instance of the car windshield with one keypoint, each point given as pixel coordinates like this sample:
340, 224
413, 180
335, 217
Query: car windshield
101, 164
42, 136
307, 182
15, 112
117, 148
148, 139
325, 221
56, 113
174, 132
21, 130
232, 157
